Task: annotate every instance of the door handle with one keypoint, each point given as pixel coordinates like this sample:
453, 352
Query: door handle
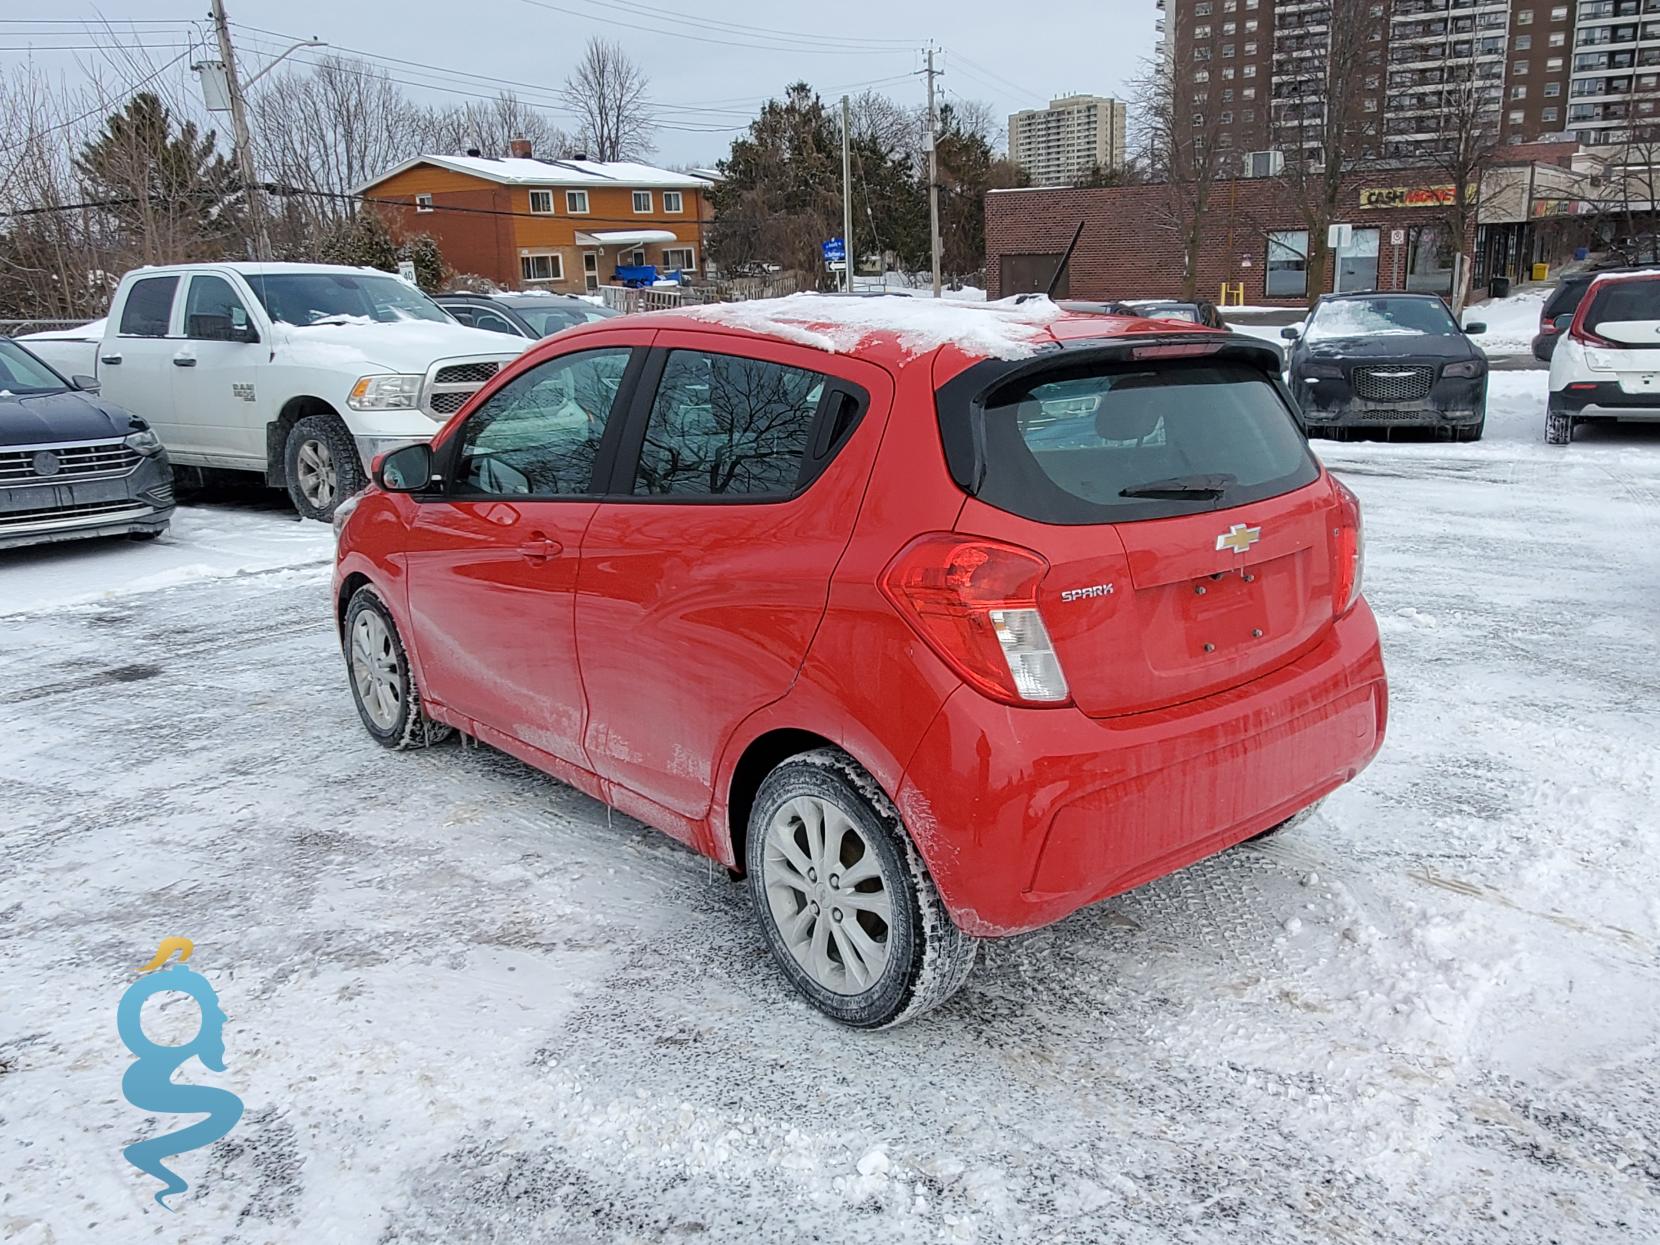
109, 358
184, 360
540, 549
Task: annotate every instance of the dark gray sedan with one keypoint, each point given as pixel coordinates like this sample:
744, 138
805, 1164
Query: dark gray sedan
72, 465
1387, 361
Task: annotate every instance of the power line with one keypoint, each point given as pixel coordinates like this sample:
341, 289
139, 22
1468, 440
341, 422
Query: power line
130, 89
773, 46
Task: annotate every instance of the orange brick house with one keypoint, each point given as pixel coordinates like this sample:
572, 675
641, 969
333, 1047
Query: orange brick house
563, 225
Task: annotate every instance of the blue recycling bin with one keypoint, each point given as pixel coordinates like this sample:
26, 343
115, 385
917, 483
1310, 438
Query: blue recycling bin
1582, 253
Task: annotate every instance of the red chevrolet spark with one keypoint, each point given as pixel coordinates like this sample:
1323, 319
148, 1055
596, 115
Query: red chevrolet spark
937, 622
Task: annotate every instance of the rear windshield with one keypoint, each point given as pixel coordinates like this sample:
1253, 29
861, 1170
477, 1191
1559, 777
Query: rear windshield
1114, 443
1623, 300
1566, 298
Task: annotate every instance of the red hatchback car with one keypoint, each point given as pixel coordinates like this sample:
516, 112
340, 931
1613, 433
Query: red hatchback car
937, 622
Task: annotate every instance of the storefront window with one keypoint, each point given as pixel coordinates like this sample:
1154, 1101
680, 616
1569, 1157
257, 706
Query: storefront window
1287, 271
1429, 260
1357, 262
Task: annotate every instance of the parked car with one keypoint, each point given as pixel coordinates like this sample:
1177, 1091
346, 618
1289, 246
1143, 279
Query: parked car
1607, 361
1199, 312
1387, 361
937, 642
1101, 307
71, 464
69, 352
523, 315
300, 373
1563, 301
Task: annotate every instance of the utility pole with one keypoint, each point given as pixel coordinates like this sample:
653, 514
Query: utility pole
244, 141
847, 196
933, 177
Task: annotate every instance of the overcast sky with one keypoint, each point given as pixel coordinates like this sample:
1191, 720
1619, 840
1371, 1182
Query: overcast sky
711, 63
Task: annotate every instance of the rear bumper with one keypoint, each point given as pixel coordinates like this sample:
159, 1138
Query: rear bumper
1605, 400
1026, 815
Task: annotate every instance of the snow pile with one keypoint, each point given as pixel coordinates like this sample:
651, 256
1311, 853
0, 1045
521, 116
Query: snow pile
1007, 329
1511, 322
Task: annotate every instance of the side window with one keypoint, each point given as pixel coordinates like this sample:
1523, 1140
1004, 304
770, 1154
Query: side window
539, 436
212, 311
724, 425
490, 321
149, 308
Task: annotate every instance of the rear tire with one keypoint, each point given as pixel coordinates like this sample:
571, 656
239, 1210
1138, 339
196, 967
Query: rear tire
843, 899
321, 465
383, 685
1559, 428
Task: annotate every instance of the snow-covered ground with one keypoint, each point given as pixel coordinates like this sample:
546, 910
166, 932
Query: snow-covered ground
465, 1004
1511, 322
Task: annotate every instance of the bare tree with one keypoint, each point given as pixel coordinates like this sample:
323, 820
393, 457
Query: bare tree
490, 126
1463, 148
1324, 116
1182, 152
607, 90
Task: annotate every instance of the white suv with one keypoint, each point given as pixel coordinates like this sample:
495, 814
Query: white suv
1607, 359
300, 372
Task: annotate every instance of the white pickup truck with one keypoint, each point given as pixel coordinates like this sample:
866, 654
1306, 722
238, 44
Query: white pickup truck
300, 372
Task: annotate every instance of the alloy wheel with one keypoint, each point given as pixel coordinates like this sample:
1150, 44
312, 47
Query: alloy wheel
318, 479
375, 670
829, 899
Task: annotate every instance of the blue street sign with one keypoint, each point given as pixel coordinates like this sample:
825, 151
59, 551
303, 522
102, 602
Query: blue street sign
835, 249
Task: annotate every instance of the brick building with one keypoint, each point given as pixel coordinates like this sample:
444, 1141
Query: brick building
1396, 240
562, 225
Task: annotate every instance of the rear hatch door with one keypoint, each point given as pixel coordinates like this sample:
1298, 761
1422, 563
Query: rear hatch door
1625, 316
1187, 526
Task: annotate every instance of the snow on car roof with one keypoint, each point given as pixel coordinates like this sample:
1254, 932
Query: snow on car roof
1011, 328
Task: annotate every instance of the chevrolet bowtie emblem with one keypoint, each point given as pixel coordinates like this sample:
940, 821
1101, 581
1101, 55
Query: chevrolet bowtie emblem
1238, 538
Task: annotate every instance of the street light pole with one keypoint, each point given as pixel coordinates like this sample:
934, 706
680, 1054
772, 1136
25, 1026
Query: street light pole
847, 197
933, 178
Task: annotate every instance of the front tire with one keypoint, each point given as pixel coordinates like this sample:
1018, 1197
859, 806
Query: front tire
321, 465
843, 899
383, 685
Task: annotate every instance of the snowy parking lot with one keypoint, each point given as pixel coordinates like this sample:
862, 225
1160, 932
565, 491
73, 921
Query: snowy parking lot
465, 1003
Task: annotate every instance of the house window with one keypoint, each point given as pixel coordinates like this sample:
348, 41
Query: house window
1553, 89
423, 203
672, 202
642, 201
1519, 69
1553, 64
1227, 97
1227, 49
1250, 26
543, 267
1559, 14
1524, 42
1558, 38
1515, 118
1225, 119
1548, 114
1524, 18
576, 202
1201, 32
680, 257
1250, 71
1227, 73
1518, 92
1249, 92
541, 202
1251, 49
1227, 28
1287, 271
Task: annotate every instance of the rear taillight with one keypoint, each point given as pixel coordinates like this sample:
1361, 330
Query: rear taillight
975, 603
1348, 550
1547, 326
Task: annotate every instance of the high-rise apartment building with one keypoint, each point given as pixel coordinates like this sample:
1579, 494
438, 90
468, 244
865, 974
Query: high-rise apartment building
1068, 140
1258, 72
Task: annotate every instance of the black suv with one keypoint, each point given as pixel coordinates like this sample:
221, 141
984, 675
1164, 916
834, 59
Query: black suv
1564, 300
533, 315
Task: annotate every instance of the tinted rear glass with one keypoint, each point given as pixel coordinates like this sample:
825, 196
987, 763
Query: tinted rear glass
1624, 300
1566, 297
1066, 446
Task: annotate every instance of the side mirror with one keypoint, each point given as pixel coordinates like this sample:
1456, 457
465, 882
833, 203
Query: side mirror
1476, 326
1564, 323
1291, 333
405, 471
86, 384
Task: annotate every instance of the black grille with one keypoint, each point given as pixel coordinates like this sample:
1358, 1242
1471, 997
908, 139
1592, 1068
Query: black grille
1388, 383
465, 374
449, 403
72, 462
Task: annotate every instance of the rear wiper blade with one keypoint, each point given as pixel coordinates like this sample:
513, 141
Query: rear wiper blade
1177, 488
